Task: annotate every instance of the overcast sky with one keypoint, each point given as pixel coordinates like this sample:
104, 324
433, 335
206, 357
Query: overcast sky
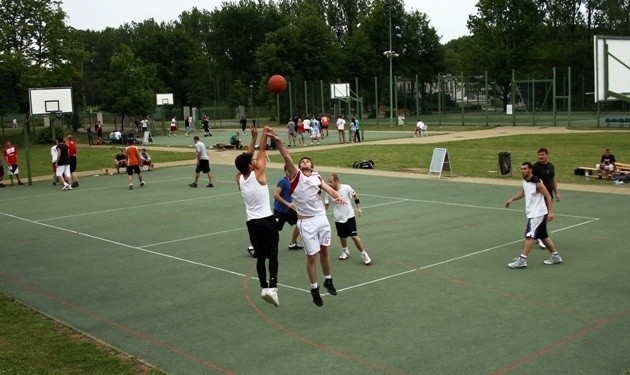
448, 17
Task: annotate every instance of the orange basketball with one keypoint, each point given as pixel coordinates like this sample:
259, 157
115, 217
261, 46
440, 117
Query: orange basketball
277, 84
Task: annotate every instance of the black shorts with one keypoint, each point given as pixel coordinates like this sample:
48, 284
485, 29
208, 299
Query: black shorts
264, 237
285, 217
131, 169
203, 166
73, 164
347, 229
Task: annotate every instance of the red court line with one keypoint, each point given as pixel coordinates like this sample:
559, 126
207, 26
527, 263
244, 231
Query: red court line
26, 285
560, 343
317, 345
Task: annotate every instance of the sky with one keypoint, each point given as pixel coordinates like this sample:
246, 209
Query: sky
448, 17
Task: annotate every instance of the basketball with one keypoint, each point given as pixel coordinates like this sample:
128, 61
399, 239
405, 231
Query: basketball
277, 84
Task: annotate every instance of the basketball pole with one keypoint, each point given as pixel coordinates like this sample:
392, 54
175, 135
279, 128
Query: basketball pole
27, 149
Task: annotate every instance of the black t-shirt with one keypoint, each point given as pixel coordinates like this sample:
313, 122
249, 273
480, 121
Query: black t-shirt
607, 159
546, 173
64, 155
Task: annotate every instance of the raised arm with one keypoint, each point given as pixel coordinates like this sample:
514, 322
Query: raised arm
291, 169
252, 143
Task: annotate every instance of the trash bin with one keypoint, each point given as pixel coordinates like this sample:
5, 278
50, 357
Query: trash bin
505, 163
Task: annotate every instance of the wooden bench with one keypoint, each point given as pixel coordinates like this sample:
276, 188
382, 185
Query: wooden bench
620, 169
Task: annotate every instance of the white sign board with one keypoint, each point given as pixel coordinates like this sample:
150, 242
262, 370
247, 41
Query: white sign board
440, 162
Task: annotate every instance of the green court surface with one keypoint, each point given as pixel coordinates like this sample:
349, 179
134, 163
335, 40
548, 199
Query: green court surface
162, 273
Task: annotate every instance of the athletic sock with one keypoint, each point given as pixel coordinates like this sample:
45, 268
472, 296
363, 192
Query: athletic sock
314, 286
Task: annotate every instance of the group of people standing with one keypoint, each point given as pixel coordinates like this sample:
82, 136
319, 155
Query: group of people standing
298, 202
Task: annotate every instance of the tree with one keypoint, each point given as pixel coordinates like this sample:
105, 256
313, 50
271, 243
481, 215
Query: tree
505, 33
128, 86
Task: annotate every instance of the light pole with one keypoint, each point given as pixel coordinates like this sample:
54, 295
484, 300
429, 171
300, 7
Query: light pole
251, 100
390, 54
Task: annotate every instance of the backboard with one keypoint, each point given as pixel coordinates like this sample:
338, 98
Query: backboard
339, 90
45, 101
612, 70
164, 99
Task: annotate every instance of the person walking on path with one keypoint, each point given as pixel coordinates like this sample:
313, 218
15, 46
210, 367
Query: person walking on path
546, 172
345, 221
10, 156
203, 162
539, 210
306, 185
251, 180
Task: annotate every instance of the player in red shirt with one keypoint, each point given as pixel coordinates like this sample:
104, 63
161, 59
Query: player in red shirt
72, 153
133, 163
10, 155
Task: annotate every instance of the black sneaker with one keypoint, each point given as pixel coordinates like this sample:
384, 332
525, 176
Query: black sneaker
210, 185
142, 184
317, 299
330, 287
130, 187
192, 185
295, 246
20, 183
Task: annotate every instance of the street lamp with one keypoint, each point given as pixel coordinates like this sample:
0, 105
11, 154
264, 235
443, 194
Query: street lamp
390, 54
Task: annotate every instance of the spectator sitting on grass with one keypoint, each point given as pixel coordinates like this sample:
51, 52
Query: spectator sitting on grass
120, 160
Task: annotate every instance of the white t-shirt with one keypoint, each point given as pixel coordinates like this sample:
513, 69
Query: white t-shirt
200, 148
343, 211
307, 124
420, 125
341, 123
305, 192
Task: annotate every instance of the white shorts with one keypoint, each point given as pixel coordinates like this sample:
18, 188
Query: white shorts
13, 171
63, 170
315, 233
314, 133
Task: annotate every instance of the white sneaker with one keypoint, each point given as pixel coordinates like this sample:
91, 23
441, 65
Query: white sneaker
553, 259
65, 186
518, 263
366, 258
344, 254
541, 244
272, 296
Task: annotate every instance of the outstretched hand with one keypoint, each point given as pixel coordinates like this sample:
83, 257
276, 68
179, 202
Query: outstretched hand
253, 130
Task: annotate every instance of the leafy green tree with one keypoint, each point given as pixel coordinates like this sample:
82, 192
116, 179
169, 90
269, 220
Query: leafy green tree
33, 52
505, 34
129, 85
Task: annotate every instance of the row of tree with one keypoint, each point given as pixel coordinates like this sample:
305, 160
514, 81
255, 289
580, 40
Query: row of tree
229, 52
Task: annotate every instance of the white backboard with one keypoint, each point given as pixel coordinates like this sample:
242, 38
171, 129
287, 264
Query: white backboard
612, 61
339, 90
48, 100
164, 99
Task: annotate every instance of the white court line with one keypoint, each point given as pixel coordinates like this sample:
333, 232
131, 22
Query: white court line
470, 206
140, 249
138, 206
193, 237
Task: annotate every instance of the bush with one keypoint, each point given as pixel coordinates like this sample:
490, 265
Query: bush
45, 135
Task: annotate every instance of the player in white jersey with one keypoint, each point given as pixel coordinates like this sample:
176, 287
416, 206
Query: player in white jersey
261, 224
345, 221
539, 210
306, 186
